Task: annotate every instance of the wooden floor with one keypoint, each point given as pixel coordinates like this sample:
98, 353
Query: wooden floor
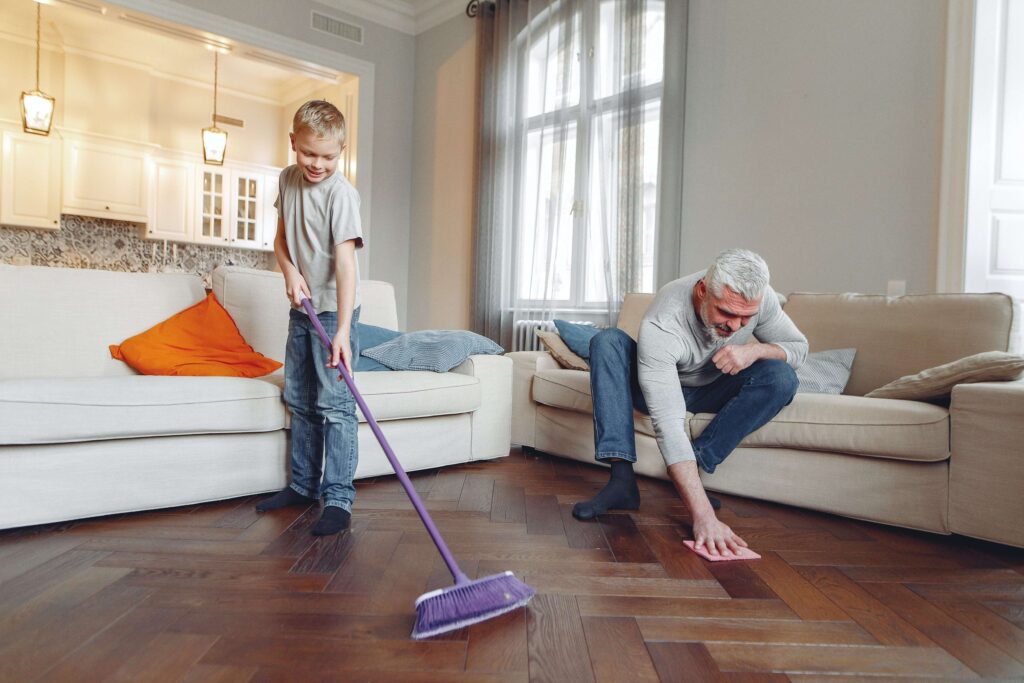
217, 592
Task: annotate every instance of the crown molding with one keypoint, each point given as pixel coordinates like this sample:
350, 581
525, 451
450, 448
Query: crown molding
436, 12
401, 15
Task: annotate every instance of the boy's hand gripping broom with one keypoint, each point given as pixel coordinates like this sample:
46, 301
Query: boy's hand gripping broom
467, 602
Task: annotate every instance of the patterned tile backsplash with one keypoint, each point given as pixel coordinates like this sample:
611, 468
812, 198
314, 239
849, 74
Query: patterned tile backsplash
101, 244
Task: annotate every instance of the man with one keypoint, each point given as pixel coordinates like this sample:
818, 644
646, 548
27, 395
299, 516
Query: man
696, 352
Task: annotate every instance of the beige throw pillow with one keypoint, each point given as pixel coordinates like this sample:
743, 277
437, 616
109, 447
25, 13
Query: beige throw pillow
991, 366
560, 352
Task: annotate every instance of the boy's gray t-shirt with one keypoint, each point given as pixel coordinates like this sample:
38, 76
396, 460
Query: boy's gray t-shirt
674, 350
317, 217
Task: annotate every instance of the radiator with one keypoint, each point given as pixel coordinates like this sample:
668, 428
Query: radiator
523, 338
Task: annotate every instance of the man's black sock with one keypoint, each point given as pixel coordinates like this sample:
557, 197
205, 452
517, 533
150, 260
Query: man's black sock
283, 499
333, 520
621, 493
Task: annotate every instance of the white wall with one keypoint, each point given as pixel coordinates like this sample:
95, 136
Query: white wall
443, 181
813, 135
391, 52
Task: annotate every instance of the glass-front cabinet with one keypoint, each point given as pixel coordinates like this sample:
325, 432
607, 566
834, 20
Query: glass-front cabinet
211, 226
247, 204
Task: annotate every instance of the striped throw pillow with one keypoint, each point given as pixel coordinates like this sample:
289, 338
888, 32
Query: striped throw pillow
826, 372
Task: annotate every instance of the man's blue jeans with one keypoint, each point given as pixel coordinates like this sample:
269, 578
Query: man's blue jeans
743, 402
323, 411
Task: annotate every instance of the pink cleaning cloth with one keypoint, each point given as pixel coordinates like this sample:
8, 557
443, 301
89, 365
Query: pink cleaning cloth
743, 554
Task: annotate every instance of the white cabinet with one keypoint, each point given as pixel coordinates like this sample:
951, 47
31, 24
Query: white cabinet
211, 221
30, 181
247, 190
270, 191
106, 179
172, 201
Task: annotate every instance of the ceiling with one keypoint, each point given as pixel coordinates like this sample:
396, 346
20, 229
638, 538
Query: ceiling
176, 51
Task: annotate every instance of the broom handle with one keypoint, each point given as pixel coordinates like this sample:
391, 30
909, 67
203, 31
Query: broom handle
435, 535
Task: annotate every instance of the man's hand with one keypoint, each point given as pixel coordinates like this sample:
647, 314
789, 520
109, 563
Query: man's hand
716, 537
736, 358
341, 350
295, 287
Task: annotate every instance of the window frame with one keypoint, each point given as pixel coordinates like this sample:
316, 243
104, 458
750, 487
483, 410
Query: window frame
582, 114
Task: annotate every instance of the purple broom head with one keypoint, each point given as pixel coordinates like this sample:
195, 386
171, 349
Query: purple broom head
449, 609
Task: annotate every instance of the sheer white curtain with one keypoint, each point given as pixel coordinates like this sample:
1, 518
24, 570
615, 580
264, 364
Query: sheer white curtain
570, 144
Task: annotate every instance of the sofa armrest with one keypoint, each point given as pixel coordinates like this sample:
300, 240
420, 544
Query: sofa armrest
524, 410
986, 469
492, 421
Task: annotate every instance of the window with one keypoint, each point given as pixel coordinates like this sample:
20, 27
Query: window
592, 96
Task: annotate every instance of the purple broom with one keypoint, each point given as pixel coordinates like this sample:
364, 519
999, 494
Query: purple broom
467, 602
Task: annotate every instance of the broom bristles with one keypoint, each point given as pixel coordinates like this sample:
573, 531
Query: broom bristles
449, 609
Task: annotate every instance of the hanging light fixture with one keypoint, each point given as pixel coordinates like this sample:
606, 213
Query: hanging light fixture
215, 140
37, 106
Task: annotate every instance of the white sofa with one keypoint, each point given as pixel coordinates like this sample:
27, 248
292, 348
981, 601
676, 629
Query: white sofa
83, 435
906, 463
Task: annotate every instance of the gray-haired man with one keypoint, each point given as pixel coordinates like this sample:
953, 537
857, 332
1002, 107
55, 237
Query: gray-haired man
696, 352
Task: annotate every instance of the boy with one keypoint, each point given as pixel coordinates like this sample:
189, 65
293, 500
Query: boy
318, 231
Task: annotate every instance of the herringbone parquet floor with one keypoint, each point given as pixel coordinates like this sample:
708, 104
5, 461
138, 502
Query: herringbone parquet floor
216, 592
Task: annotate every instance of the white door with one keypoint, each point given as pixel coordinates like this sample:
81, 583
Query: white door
172, 201
994, 247
269, 217
246, 209
30, 193
211, 217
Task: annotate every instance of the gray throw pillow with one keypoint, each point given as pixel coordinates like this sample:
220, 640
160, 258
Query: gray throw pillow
826, 372
435, 350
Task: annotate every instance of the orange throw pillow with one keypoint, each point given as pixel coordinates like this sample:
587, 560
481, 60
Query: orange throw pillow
202, 340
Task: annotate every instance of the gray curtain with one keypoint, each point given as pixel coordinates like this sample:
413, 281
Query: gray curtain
571, 212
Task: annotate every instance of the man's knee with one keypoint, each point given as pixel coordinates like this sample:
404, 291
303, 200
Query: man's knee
610, 340
781, 377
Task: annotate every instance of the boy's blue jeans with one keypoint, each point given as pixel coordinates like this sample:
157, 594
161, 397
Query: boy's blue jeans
324, 422
743, 402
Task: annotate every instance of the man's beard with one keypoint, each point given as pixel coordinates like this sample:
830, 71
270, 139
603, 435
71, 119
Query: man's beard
712, 330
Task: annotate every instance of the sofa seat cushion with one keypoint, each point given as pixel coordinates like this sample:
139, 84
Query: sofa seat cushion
570, 389
405, 394
902, 430
56, 410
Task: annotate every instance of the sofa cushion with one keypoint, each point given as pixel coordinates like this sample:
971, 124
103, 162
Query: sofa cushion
904, 430
897, 336
60, 320
407, 394
570, 389
54, 410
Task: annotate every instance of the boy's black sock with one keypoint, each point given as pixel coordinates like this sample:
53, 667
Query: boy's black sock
621, 492
283, 499
333, 520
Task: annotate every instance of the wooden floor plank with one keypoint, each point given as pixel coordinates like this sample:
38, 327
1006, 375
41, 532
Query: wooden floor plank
556, 642
875, 617
499, 645
666, 543
477, 492
806, 600
508, 504
625, 539
684, 662
705, 629
865, 660
959, 641
617, 651
543, 515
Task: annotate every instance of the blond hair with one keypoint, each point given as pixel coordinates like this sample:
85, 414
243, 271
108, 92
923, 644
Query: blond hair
322, 118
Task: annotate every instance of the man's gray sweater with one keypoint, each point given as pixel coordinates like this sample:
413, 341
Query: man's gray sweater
675, 351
